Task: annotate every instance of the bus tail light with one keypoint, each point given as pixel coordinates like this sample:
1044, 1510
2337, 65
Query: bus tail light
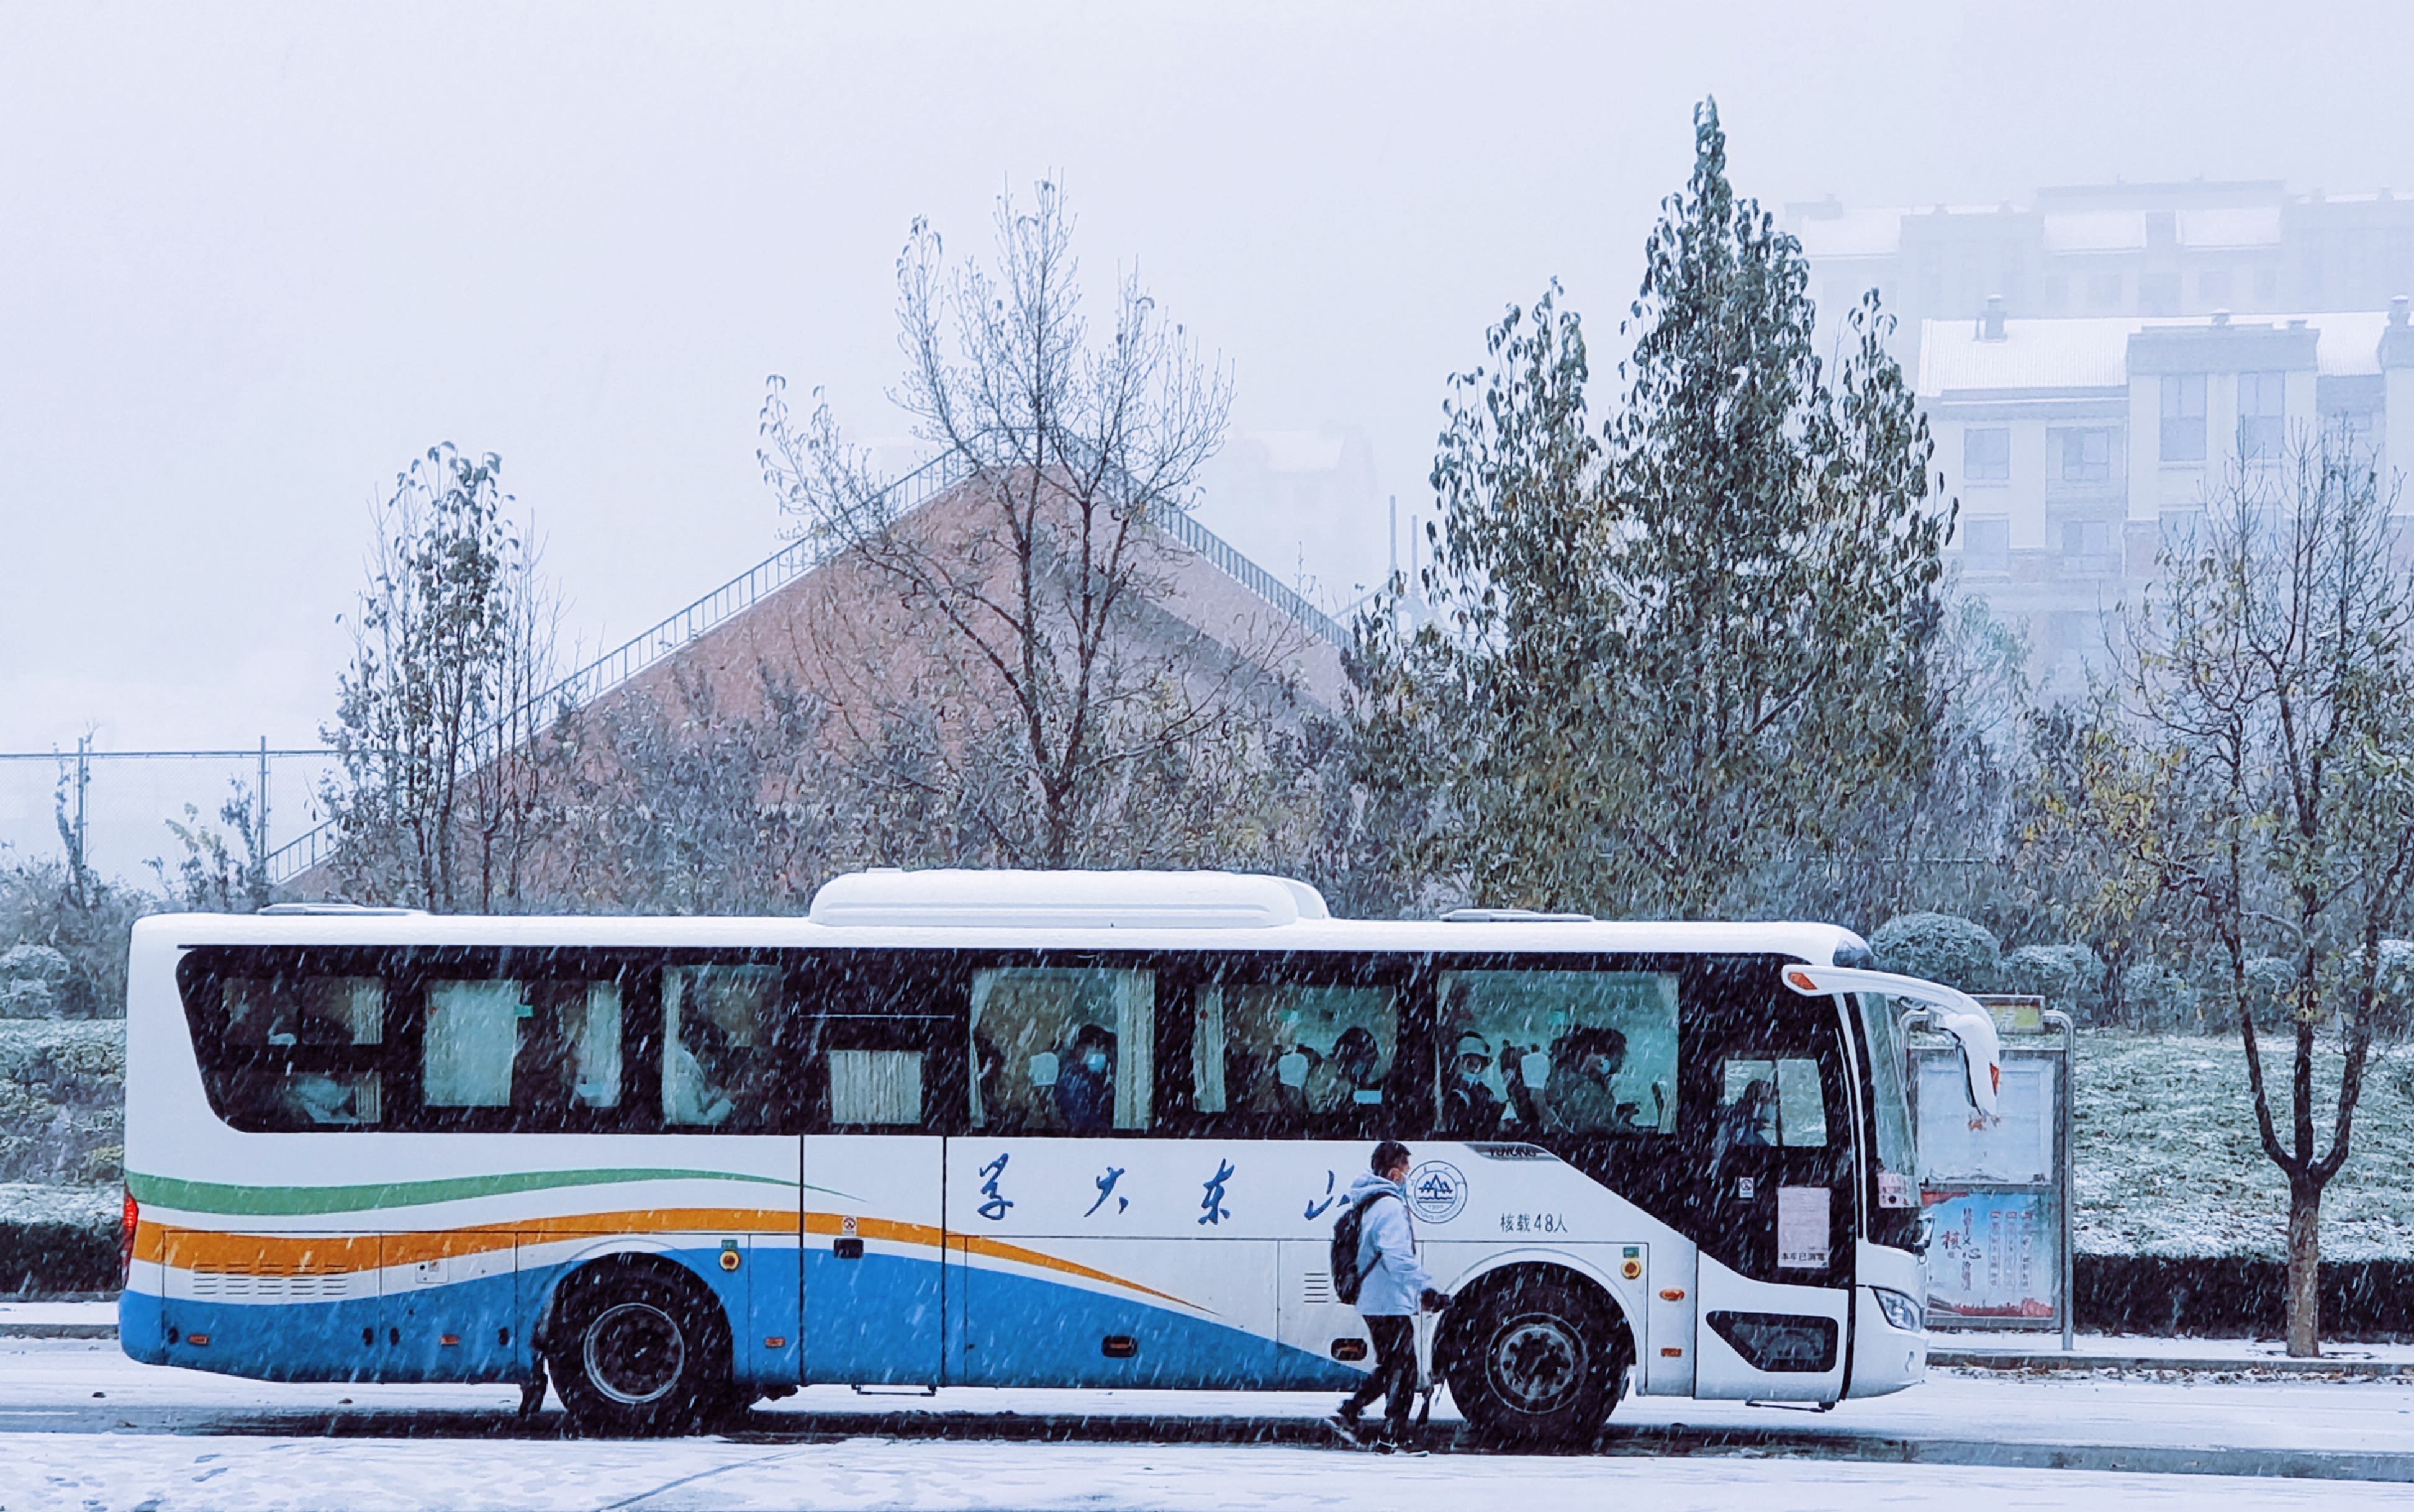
127, 1224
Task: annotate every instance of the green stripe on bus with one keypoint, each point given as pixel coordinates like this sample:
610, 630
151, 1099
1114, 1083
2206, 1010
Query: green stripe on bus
254, 1201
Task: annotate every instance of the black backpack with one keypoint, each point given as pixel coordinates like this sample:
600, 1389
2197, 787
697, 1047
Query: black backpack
1347, 1278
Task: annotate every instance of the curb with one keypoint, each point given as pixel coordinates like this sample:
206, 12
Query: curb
58, 1330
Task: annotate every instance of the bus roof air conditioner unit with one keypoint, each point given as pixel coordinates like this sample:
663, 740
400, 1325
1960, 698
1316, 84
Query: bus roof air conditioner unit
1066, 900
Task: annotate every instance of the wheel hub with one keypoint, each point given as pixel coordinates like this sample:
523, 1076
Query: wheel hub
634, 1352
1536, 1362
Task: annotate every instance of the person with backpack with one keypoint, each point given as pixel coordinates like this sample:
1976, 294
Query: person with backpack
1375, 1269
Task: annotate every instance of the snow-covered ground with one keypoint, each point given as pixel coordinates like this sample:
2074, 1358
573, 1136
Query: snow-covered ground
2168, 1161
81, 1426
74, 1472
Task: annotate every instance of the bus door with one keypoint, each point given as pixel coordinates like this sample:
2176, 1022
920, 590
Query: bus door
881, 1074
1774, 1206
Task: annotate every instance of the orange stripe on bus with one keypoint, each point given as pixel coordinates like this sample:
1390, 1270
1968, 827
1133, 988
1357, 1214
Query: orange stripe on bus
193, 1249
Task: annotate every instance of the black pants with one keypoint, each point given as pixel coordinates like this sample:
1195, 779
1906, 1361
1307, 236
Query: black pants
1396, 1371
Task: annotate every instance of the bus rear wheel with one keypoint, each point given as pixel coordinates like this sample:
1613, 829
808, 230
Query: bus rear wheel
637, 1351
1533, 1359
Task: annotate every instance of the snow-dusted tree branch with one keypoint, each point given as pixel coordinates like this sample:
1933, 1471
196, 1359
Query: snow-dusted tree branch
1045, 677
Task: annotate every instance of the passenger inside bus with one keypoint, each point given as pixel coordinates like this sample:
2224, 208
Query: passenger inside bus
1470, 1109
1085, 1082
1350, 1077
1060, 1049
715, 1067
1569, 1043
1580, 1094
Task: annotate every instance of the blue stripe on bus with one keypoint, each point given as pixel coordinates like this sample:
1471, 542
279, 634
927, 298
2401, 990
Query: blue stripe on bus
879, 1319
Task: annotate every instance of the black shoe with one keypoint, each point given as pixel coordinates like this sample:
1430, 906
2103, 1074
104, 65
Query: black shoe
1345, 1424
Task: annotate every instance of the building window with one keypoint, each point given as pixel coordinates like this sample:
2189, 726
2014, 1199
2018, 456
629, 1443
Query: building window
2103, 290
2267, 287
2262, 404
1986, 546
2349, 432
2212, 286
2184, 417
2057, 293
1986, 454
2158, 293
2081, 456
2086, 543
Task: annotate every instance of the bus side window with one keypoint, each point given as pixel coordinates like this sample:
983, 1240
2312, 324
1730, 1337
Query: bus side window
1775, 1102
1302, 1057
1529, 1052
298, 1052
720, 1024
545, 1048
1063, 1049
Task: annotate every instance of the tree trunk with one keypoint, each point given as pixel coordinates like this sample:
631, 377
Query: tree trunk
2304, 1269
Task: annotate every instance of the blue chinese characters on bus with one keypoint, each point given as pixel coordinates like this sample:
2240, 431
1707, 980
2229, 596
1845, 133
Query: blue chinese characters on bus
1212, 1208
996, 1203
1105, 1189
1318, 1210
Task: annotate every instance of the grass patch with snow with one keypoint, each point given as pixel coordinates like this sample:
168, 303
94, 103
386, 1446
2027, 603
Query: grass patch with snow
2168, 1161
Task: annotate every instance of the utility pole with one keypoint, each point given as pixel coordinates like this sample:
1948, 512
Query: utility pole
262, 840
83, 789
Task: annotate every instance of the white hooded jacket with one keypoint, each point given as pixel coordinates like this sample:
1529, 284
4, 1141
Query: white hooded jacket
1394, 1283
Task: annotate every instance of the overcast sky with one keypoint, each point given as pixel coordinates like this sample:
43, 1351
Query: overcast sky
253, 259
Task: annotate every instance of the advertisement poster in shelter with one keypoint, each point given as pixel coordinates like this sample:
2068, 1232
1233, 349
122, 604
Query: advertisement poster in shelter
1992, 1256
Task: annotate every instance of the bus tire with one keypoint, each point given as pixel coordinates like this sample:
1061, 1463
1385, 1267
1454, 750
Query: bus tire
637, 1348
1533, 1358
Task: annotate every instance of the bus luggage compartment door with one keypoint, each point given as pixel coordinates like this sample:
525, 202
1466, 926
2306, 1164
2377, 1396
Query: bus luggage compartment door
873, 1276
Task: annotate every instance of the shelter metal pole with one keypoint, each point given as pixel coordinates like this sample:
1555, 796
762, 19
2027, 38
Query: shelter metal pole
2066, 1167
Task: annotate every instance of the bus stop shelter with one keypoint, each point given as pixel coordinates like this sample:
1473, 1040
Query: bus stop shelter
1996, 1192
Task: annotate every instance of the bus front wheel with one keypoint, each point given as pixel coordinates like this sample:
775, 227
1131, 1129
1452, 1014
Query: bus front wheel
638, 1349
1534, 1357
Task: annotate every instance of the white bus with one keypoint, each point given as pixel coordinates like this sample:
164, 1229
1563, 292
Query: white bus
1021, 1130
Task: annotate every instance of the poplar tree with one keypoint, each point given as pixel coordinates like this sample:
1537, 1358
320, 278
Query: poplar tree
1771, 590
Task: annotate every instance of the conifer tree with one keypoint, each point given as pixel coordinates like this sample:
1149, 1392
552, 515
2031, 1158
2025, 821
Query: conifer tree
1670, 655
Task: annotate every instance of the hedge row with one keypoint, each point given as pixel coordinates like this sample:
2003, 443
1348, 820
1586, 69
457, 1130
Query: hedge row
46, 1257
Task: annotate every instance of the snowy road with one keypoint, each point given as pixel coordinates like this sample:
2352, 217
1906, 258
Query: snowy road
81, 1426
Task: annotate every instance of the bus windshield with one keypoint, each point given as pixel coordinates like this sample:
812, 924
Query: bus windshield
1881, 1022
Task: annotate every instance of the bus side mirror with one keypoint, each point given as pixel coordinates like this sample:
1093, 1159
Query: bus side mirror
1043, 1069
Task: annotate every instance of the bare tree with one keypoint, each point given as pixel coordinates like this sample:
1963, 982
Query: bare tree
511, 760
2272, 676
453, 642
670, 801
1035, 679
212, 875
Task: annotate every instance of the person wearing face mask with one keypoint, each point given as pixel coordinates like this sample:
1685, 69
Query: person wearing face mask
1085, 1087
1470, 1109
1581, 1094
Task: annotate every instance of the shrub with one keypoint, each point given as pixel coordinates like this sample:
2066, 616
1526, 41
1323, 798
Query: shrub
2160, 998
32, 981
1939, 947
2046, 971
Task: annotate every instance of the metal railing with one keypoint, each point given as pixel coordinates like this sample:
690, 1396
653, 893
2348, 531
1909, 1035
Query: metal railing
766, 577
1207, 544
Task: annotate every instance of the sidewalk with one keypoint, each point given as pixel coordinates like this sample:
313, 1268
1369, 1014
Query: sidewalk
1972, 1350
58, 1320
